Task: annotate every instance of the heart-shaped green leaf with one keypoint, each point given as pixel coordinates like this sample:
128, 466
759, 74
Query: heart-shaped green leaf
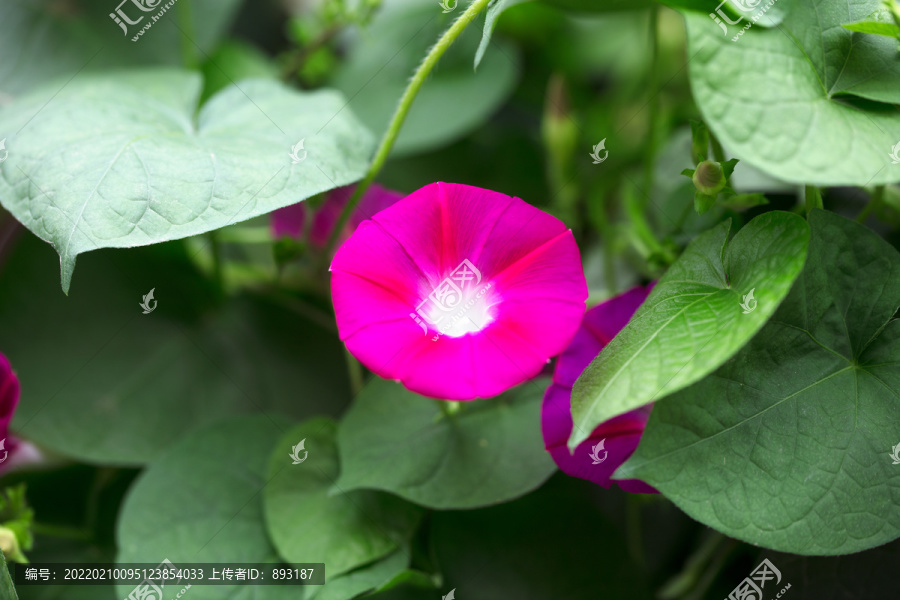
104, 383
202, 502
41, 40
309, 524
714, 298
489, 452
780, 98
788, 444
370, 577
121, 159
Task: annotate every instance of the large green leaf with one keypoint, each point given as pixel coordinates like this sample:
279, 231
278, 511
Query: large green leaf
695, 319
788, 444
102, 382
42, 40
308, 524
554, 543
846, 62
7, 591
454, 101
364, 579
202, 502
489, 452
121, 159
780, 98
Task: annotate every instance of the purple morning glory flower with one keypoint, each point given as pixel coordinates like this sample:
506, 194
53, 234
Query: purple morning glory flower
612, 442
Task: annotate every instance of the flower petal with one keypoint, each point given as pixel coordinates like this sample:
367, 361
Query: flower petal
414, 304
621, 435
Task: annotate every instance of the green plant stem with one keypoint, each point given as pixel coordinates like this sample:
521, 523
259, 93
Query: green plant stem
649, 158
449, 407
643, 233
216, 248
633, 528
60, 531
718, 152
813, 198
710, 574
691, 576
393, 130
186, 23
356, 373
609, 260
874, 202
103, 477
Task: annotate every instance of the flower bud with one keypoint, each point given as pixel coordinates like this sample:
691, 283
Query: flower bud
9, 544
709, 178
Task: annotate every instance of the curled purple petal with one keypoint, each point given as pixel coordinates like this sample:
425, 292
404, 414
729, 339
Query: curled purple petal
612, 442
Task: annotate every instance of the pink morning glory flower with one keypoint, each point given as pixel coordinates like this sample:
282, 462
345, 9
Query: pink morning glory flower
458, 292
612, 442
9, 399
291, 220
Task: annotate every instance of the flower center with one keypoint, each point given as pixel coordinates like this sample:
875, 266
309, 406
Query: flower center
459, 304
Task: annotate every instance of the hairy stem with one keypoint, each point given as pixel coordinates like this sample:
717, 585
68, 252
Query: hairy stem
393, 130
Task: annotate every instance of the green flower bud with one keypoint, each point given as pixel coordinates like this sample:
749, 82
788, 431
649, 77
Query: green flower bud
709, 178
9, 544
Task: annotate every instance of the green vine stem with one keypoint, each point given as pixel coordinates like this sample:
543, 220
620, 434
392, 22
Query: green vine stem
706, 559
390, 136
875, 201
355, 371
188, 51
653, 123
718, 153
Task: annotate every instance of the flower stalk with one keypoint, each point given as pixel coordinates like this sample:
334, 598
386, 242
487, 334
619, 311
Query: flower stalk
393, 130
